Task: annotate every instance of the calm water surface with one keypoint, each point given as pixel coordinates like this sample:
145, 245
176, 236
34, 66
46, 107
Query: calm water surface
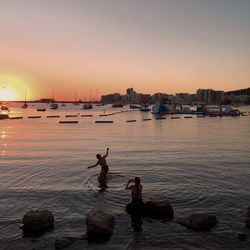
199, 164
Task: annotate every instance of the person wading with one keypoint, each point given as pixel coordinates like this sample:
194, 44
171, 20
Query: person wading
104, 169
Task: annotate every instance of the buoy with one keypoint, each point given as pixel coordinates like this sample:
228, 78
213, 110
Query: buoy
147, 119
131, 120
68, 121
16, 118
53, 116
104, 121
34, 117
71, 116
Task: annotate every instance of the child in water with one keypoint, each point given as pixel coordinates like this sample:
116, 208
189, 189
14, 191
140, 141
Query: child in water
104, 169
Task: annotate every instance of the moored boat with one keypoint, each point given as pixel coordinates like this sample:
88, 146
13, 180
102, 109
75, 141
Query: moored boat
24, 106
133, 106
5, 107
41, 109
4, 116
145, 108
159, 108
117, 105
53, 105
87, 106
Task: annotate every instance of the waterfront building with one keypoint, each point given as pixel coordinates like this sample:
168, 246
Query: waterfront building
111, 98
183, 98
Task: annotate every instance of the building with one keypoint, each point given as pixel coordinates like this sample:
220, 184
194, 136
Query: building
183, 98
131, 96
160, 97
144, 98
111, 98
210, 96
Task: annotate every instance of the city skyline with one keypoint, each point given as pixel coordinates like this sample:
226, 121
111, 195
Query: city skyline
84, 46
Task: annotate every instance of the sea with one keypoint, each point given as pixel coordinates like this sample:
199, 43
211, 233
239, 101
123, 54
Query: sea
198, 164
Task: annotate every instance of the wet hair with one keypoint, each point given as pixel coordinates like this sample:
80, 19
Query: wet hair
137, 180
98, 156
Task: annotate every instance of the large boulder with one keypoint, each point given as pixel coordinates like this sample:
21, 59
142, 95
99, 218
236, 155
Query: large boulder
198, 222
159, 209
100, 225
37, 221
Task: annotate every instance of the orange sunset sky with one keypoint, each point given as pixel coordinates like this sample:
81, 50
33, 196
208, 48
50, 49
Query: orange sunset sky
109, 45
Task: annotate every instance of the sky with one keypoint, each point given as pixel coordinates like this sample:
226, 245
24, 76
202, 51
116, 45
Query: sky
95, 47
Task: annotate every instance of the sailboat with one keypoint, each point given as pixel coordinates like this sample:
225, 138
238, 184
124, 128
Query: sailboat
76, 103
25, 105
53, 105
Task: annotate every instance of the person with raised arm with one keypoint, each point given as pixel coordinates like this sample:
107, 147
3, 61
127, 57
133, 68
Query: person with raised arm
104, 169
136, 203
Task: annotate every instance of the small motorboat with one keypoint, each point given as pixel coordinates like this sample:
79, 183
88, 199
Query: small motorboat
117, 105
99, 104
145, 108
53, 105
4, 116
133, 106
41, 109
5, 107
87, 106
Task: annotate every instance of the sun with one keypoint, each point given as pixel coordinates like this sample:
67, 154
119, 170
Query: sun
7, 94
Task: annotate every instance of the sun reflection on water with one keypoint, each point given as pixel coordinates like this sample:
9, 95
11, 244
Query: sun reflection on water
4, 149
3, 135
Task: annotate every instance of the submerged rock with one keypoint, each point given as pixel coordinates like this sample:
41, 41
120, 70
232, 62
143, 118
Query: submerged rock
160, 209
64, 242
100, 225
198, 222
37, 222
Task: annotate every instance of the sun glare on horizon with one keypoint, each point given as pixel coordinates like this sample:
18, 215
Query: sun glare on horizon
7, 94
15, 87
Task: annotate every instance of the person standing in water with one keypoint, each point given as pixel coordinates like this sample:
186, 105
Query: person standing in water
135, 207
136, 203
104, 169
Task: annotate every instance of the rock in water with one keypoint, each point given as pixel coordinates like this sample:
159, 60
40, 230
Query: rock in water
37, 221
64, 242
161, 209
100, 225
198, 222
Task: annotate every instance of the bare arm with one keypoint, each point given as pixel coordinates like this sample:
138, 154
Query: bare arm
107, 153
127, 186
93, 165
